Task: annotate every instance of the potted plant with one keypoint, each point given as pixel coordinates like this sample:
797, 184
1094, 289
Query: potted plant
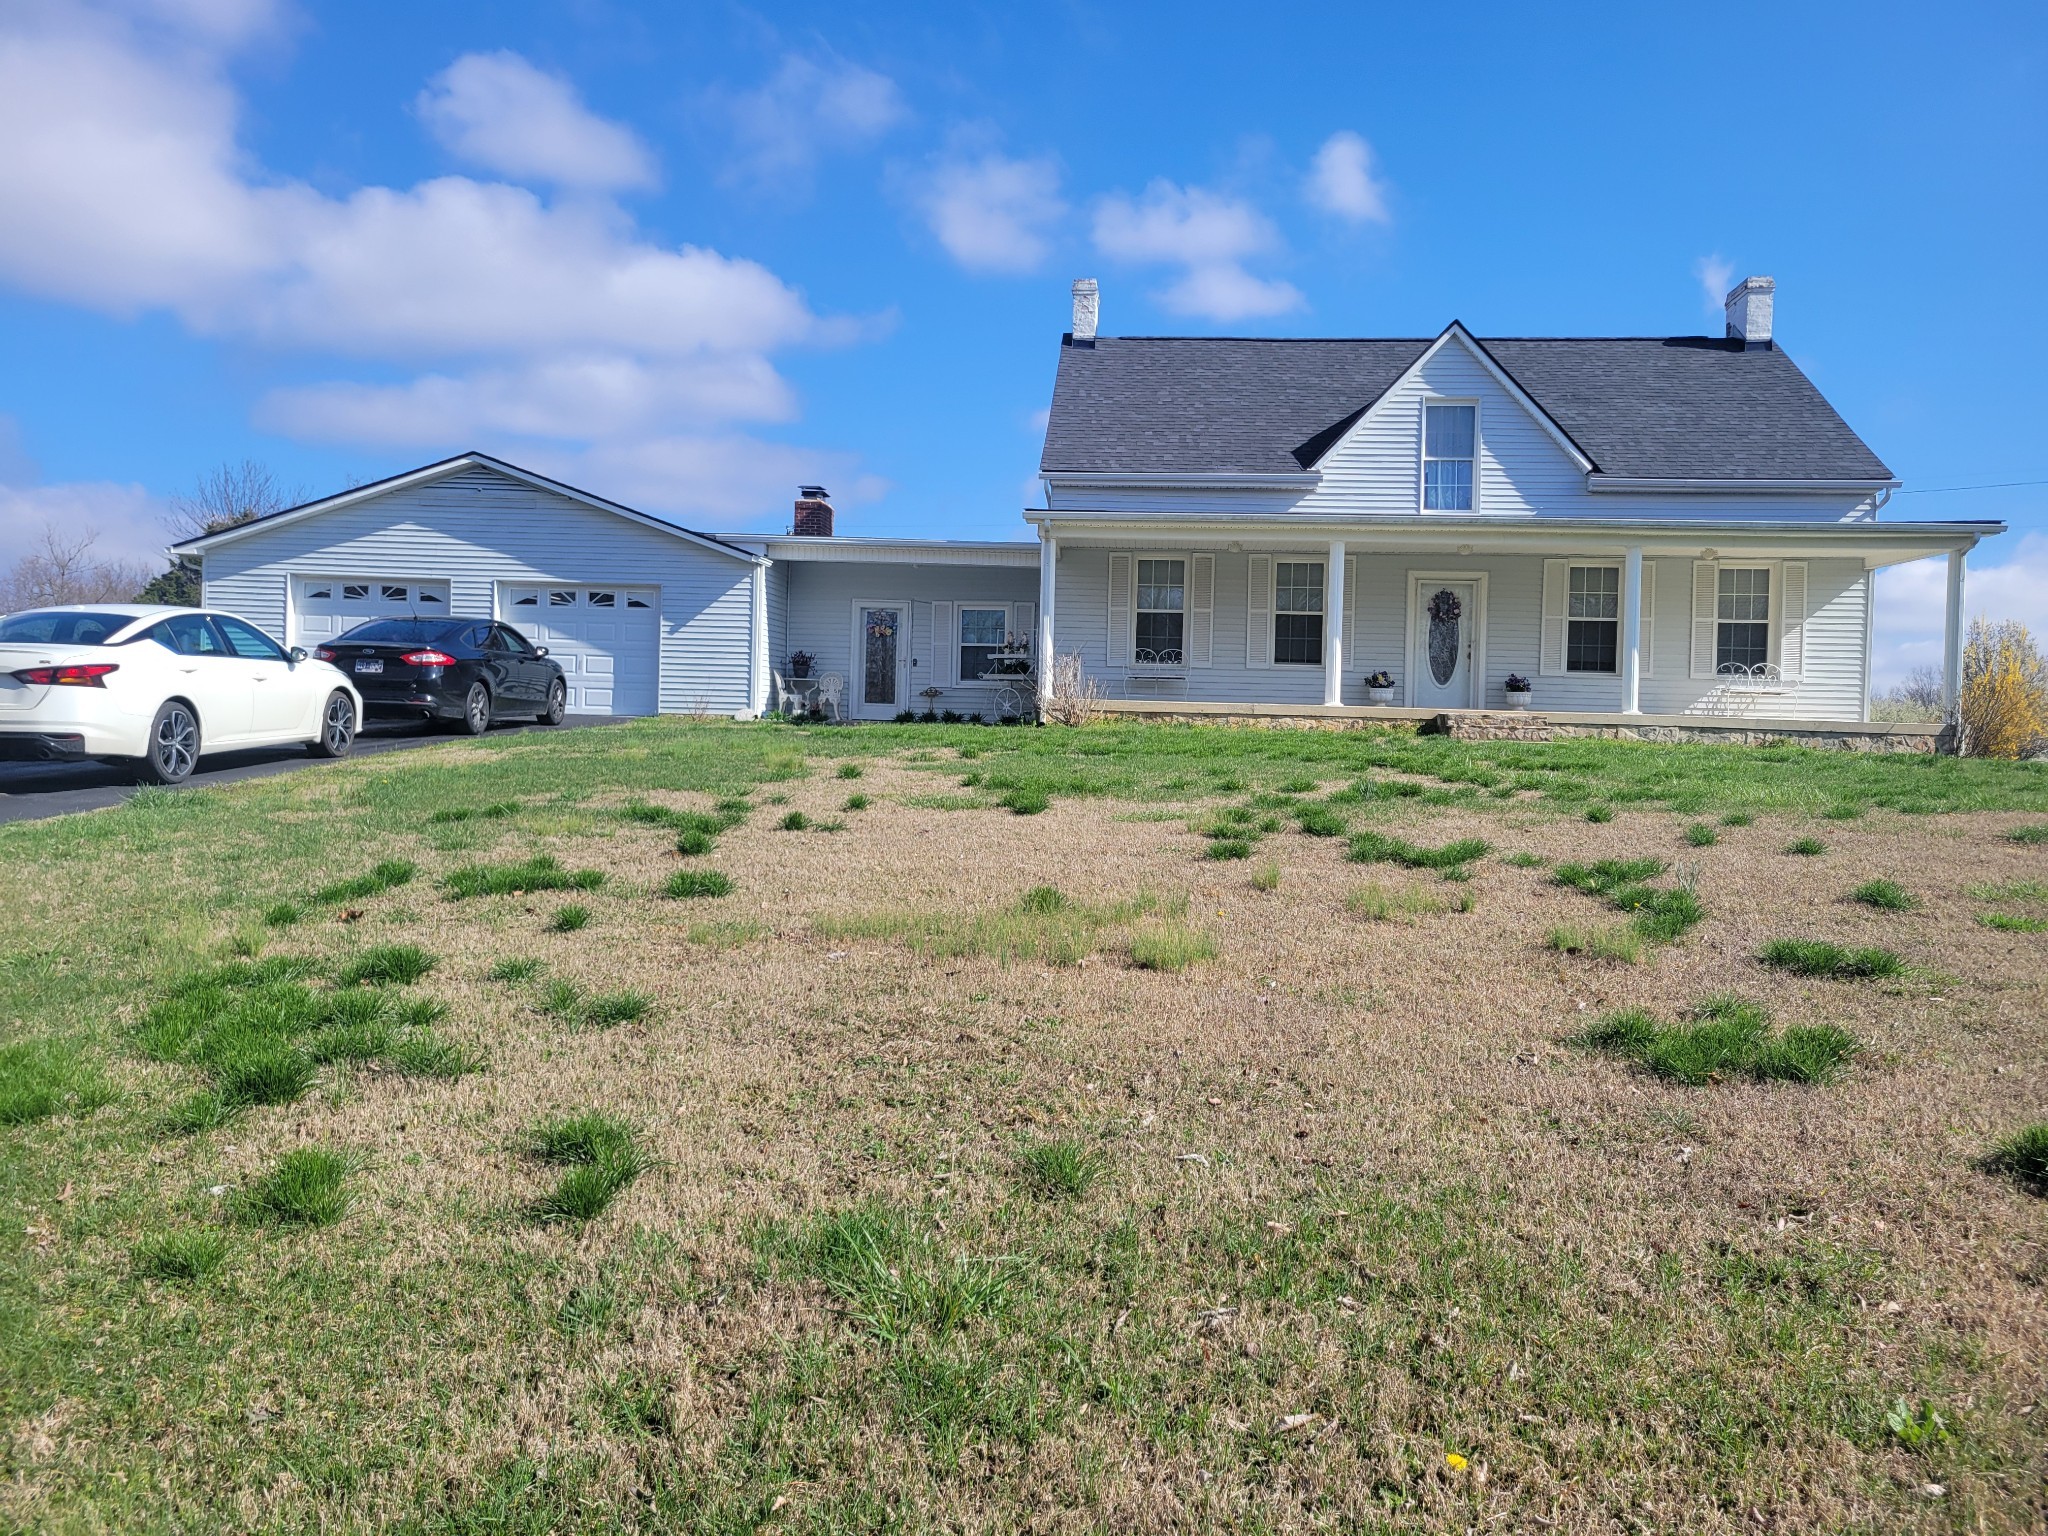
800, 663
1520, 691
1379, 687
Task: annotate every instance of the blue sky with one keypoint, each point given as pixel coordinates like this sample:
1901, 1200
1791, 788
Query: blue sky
688, 256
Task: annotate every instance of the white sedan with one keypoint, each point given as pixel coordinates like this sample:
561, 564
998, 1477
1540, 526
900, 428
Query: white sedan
161, 686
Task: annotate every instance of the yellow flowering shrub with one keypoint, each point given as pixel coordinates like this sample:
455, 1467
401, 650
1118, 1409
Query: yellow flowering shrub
2004, 702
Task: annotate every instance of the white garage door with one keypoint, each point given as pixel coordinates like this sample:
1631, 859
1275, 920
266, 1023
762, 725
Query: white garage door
330, 606
607, 639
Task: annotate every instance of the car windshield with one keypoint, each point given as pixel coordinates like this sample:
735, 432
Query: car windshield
401, 631
63, 627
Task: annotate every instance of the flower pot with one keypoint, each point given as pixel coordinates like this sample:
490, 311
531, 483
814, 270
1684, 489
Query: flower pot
1379, 696
1520, 700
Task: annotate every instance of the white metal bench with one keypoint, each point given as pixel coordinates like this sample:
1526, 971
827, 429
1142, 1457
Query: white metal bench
1741, 690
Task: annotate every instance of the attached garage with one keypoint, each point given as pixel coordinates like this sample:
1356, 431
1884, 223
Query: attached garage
644, 616
607, 639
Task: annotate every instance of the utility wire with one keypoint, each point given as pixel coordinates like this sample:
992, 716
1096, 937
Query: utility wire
1943, 490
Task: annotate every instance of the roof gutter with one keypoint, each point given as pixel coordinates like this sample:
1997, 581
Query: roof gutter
1598, 483
1306, 480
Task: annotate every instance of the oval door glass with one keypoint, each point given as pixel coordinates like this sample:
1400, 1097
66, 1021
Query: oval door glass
1444, 620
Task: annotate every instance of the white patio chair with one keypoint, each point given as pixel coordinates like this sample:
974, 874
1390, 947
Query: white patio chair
829, 688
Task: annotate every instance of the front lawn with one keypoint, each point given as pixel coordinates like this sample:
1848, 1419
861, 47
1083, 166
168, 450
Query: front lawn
629, 1130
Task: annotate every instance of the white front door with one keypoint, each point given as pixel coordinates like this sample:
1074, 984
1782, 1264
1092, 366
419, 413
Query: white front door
1445, 625
879, 688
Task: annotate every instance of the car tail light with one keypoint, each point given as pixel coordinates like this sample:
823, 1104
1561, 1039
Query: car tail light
323, 653
427, 659
88, 675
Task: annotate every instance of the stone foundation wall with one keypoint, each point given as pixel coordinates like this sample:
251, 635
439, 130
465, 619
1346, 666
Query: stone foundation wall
1517, 725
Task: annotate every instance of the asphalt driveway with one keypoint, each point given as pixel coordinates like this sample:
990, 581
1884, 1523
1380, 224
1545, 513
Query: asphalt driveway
31, 791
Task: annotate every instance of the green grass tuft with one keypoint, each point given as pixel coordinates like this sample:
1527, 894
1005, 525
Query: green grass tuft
856, 803
795, 821
685, 884
192, 1254
205, 1110
1806, 847
309, 1187
542, 872
459, 813
695, 843
609, 1008
1525, 860
252, 1070
281, 914
41, 1078
1266, 877
387, 876
2013, 922
1170, 947
586, 1138
1886, 896
1061, 1169
1025, 800
1321, 821
1224, 849
1378, 848
1620, 942
1817, 957
423, 1053
1043, 898
589, 1188
1700, 835
569, 918
2033, 835
516, 969
1599, 813
1843, 810
1726, 1038
394, 965
2023, 1158
1737, 819
850, 770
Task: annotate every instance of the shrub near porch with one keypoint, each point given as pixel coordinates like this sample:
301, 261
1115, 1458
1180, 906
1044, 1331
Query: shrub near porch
1334, 1226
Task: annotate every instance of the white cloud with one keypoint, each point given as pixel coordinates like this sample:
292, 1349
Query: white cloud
1206, 233
498, 111
126, 521
1716, 278
1341, 181
1912, 602
126, 191
993, 213
806, 108
708, 479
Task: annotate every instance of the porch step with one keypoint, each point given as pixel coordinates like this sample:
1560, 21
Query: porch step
1488, 725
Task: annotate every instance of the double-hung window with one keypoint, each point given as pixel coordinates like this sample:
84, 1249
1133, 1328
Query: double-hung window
982, 632
1450, 445
1298, 612
1742, 613
1592, 640
1161, 613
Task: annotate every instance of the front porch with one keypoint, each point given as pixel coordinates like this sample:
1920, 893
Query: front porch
1621, 626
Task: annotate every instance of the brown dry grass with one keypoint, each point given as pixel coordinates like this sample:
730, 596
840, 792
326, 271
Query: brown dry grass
1323, 1071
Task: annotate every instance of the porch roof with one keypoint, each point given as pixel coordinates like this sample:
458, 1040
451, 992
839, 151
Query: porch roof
1876, 544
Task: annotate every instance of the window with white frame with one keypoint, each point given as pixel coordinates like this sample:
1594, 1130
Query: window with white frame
1742, 613
1450, 442
982, 631
1592, 639
1161, 613
1298, 613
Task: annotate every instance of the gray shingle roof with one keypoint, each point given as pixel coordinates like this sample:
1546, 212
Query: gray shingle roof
1676, 407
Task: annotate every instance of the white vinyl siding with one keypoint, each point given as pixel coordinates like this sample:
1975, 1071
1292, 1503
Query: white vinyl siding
475, 528
1375, 600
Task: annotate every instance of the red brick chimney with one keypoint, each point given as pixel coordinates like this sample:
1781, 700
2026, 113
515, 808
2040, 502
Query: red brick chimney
813, 513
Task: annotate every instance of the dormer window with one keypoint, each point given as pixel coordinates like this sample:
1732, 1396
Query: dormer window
1450, 438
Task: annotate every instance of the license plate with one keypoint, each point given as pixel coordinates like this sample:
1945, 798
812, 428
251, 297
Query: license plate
369, 664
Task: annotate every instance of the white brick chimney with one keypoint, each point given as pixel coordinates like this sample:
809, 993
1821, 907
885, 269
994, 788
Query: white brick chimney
1749, 311
1086, 306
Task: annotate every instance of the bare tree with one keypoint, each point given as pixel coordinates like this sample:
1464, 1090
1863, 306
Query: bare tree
230, 494
1917, 698
63, 569
224, 497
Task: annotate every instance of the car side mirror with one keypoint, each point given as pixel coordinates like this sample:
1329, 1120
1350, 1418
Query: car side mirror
540, 650
298, 654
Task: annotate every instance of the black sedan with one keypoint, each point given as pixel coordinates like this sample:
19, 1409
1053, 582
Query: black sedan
466, 672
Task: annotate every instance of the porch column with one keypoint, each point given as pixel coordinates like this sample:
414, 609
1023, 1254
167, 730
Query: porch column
757, 681
1952, 637
1048, 563
1334, 637
1632, 630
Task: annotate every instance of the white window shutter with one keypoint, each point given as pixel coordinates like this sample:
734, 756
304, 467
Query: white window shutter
1258, 612
1022, 622
1649, 632
1350, 657
1706, 592
945, 646
1792, 620
1201, 629
1557, 586
1121, 572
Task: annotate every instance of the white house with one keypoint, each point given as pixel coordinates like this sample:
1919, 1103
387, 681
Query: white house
1644, 529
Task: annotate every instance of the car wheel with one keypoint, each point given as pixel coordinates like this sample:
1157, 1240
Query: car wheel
476, 710
337, 727
173, 745
558, 703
